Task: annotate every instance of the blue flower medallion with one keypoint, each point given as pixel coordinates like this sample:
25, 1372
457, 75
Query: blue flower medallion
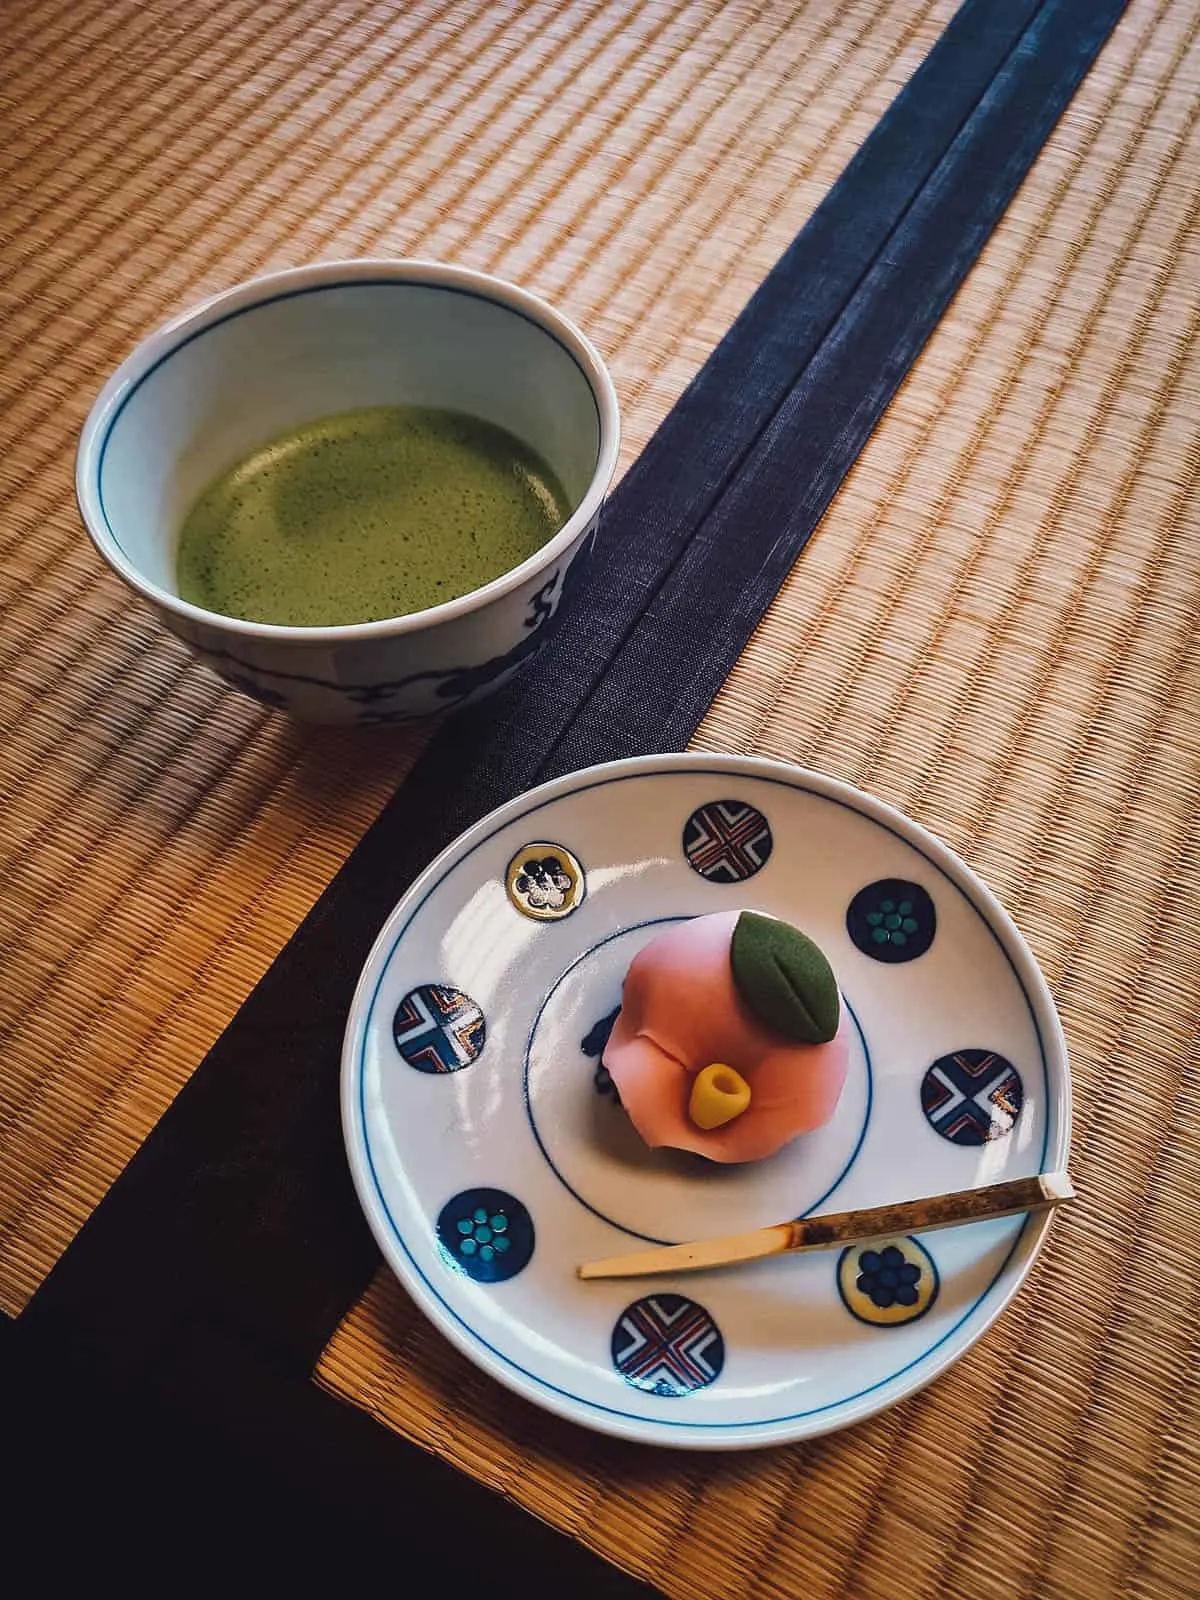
727, 841
892, 920
889, 1283
667, 1345
438, 1029
486, 1233
972, 1096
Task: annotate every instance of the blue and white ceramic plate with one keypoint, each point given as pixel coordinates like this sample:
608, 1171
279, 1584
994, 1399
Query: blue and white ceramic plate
491, 1155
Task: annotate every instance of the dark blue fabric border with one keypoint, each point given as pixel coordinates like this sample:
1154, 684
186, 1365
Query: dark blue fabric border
657, 687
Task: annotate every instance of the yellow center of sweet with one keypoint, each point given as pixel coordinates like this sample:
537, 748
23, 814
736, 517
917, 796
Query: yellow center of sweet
719, 1094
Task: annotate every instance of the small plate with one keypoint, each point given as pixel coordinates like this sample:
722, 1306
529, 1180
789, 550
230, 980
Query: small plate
491, 1156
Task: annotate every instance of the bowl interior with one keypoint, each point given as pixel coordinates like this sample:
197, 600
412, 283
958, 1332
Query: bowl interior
251, 373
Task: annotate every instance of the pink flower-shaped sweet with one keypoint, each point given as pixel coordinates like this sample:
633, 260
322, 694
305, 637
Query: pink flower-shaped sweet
680, 1012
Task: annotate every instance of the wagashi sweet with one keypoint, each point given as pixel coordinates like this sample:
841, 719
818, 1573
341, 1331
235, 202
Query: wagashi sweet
732, 1037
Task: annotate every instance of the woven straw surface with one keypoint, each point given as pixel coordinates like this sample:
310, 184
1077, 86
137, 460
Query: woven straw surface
642, 164
996, 629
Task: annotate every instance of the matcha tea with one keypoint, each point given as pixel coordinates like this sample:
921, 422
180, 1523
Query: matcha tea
364, 515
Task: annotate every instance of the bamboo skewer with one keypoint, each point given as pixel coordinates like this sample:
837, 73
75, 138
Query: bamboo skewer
843, 1228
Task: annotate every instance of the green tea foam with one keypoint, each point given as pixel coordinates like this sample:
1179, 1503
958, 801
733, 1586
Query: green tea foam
365, 515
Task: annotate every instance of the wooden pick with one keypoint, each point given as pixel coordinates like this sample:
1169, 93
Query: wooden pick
843, 1228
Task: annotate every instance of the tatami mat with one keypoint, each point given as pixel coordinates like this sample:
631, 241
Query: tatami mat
641, 164
996, 628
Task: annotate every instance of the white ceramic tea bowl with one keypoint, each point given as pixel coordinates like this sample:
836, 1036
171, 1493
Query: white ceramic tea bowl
217, 383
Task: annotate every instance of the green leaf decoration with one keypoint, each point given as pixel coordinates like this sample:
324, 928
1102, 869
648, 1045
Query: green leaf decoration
785, 979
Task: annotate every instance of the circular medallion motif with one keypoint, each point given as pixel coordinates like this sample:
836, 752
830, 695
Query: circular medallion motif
667, 1345
727, 841
438, 1029
972, 1096
487, 1234
892, 920
887, 1283
545, 882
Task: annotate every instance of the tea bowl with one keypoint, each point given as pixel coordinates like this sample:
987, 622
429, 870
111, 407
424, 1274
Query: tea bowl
268, 356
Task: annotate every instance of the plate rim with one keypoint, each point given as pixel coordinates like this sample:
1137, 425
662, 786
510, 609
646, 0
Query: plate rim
1027, 1243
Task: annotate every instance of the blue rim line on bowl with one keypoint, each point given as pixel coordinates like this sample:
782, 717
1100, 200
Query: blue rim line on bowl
365, 273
